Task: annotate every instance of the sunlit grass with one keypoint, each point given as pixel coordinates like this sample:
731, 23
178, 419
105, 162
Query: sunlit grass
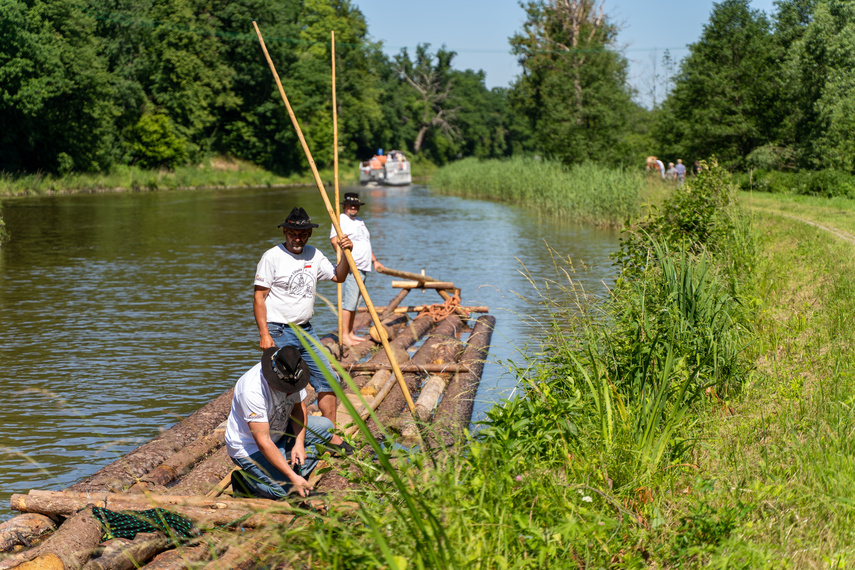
217, 172
587, 192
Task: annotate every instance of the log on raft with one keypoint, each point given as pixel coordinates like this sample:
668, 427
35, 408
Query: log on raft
205, 475
203, 511
450, 368
389, 410
443, 349
126, 470
455, 410
183, 556
69, 547
422, 308
23, 530
423, 284
182, 462
131, 554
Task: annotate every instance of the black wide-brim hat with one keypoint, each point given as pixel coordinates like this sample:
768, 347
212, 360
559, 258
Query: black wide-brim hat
352, 198
298, 219
284, 369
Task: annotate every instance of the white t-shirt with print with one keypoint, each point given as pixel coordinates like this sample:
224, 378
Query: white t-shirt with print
292, 279
256, 401
358, 234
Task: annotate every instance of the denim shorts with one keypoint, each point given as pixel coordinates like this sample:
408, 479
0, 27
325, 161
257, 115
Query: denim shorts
264, 480
350, 292
283, 335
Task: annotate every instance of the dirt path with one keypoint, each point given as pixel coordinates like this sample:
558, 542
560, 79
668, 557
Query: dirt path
844, 235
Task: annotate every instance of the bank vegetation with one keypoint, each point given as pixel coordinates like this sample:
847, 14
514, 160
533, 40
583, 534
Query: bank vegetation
698, 416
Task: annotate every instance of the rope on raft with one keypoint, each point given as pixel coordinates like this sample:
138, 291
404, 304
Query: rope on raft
439, 312
126, 524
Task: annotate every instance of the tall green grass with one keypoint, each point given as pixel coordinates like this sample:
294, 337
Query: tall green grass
587, 192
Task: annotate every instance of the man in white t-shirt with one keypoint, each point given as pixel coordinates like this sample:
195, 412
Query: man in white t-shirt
285, 288
354, 228
269, 433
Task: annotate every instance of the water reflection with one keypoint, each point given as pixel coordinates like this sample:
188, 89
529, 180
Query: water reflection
122, 313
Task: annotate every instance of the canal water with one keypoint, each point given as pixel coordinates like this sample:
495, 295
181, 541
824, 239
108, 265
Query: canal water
121, 314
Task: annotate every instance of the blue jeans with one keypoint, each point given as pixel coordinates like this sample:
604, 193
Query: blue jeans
267, 481
350, 292
283, 336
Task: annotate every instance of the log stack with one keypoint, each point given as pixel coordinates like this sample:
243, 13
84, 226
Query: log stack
185, 469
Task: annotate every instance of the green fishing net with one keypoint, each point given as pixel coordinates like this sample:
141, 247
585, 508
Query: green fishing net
126, 524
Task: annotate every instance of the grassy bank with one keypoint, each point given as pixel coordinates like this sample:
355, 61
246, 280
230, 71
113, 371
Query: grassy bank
216, 173
587, 466
586, 192
702, 416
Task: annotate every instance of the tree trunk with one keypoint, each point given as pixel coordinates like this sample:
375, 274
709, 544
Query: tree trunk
417, 146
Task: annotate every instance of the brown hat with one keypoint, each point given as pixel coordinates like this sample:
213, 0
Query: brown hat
298, 219
284, 369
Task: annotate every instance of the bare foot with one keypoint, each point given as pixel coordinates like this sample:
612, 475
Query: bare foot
353, 339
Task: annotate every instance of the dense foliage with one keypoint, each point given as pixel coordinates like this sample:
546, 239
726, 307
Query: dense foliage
573, 89
769, 94
86, 85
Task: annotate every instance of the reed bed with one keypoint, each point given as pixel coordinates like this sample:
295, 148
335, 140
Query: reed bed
587, 192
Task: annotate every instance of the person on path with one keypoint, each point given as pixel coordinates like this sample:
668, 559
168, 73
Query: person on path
269, 433
285, 290
671, 173
680, 170
661, 166
363, 255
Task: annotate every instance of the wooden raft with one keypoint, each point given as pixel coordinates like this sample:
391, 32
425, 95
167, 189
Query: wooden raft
186, 469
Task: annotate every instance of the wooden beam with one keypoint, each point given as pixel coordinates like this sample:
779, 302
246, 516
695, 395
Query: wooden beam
451, 368
420, 308
423, 284
407, 275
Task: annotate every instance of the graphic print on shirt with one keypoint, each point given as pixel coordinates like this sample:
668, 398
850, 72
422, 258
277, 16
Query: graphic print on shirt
280, 417
301, 284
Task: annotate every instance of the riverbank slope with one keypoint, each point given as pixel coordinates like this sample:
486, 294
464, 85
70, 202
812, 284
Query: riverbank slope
704, 418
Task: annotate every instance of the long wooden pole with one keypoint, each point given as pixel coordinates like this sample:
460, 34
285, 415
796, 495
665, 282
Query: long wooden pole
335, 182
335, 221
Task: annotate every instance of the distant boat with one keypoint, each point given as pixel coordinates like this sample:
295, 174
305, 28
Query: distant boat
392, 169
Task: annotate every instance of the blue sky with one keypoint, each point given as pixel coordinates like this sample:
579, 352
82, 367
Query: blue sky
478, 30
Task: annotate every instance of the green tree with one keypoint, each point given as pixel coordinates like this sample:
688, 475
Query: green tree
430, 78
573, 88
726, 97
56, 97
155, 144
821, 73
